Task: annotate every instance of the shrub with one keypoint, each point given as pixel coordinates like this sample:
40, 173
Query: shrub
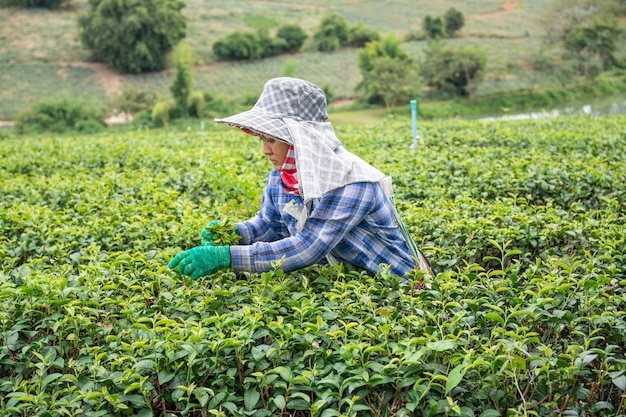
181, 86
270, 46
132, 36
294, 37
454, 21
359, 35
454, 70
60, 115
196, 104
331, 34
132, 100
526, 317
238, 46
161, 113
433, 27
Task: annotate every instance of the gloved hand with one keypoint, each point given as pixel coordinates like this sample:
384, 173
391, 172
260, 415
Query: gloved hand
208, 237
201, 261
221, 232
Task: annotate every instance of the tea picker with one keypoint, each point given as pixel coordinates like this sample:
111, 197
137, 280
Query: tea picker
321, 203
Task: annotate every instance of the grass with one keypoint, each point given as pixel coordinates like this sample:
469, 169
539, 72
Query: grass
50, 39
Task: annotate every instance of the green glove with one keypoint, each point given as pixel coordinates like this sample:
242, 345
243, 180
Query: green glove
220, 232
201, 261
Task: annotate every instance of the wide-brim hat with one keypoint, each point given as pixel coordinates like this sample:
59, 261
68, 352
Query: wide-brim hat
282, 98
294, 111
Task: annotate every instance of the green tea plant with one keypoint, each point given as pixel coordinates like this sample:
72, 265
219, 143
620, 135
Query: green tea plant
524, 221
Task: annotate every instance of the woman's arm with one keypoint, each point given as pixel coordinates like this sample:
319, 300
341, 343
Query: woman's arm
337, 213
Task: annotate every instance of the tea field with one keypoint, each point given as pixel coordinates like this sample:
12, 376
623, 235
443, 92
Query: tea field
524, 220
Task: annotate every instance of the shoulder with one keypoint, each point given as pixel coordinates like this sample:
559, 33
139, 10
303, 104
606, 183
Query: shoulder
357, 194
362, 190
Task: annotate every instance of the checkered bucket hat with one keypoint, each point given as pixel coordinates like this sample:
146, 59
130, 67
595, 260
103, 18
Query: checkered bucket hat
282, 98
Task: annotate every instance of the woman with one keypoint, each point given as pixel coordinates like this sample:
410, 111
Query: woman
321, 204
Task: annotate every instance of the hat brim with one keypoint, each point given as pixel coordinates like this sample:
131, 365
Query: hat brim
260, 123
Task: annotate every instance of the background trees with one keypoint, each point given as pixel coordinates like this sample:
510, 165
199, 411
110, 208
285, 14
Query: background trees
389, 75
241, 45
454, 70
444, 26
587, 32
132, 36
331, 34
454, 21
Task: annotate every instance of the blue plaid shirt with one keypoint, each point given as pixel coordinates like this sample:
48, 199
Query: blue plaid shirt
354, 223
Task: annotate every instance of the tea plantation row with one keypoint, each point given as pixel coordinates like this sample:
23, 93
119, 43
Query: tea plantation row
524, 220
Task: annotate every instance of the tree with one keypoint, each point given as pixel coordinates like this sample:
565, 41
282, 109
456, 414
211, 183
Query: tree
132, 36
391, 81
597, 39
331, 34
454, 21
433, 27
389, 75
181, 86
586, 32
294, 37
387, 47
454, 70
563, 16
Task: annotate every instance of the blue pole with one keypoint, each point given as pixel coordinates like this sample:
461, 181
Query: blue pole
414, 119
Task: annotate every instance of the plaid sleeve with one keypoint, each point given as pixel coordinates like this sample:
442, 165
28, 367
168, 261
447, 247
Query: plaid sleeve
332, 217
266, 225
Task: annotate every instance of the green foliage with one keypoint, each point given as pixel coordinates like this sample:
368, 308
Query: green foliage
290, 68
59, 115
390, 46
433, 27
392, 81
453, 70
248, 46
389, 75
359, 35
525, 219
454, 22
132, 36
331, 34
183, 80
44, 4
162, 112
196, 104
132, 100
223, 233
504, 103
594, 40
294, 37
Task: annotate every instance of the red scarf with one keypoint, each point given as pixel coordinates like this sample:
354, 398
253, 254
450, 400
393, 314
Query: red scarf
289, 174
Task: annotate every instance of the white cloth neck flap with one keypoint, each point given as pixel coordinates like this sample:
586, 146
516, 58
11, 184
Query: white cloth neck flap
323, 164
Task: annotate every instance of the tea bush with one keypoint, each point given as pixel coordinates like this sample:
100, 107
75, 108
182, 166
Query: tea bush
524, 220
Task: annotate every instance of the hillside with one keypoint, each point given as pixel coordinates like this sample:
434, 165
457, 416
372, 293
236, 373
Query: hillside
40, 55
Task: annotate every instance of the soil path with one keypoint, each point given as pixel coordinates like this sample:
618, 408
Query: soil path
110, 79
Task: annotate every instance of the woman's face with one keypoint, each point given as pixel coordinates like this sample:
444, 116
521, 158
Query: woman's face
276, 151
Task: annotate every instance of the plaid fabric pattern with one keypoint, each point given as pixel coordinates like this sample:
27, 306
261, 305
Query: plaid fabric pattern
354, 223
283, 97
294, 111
